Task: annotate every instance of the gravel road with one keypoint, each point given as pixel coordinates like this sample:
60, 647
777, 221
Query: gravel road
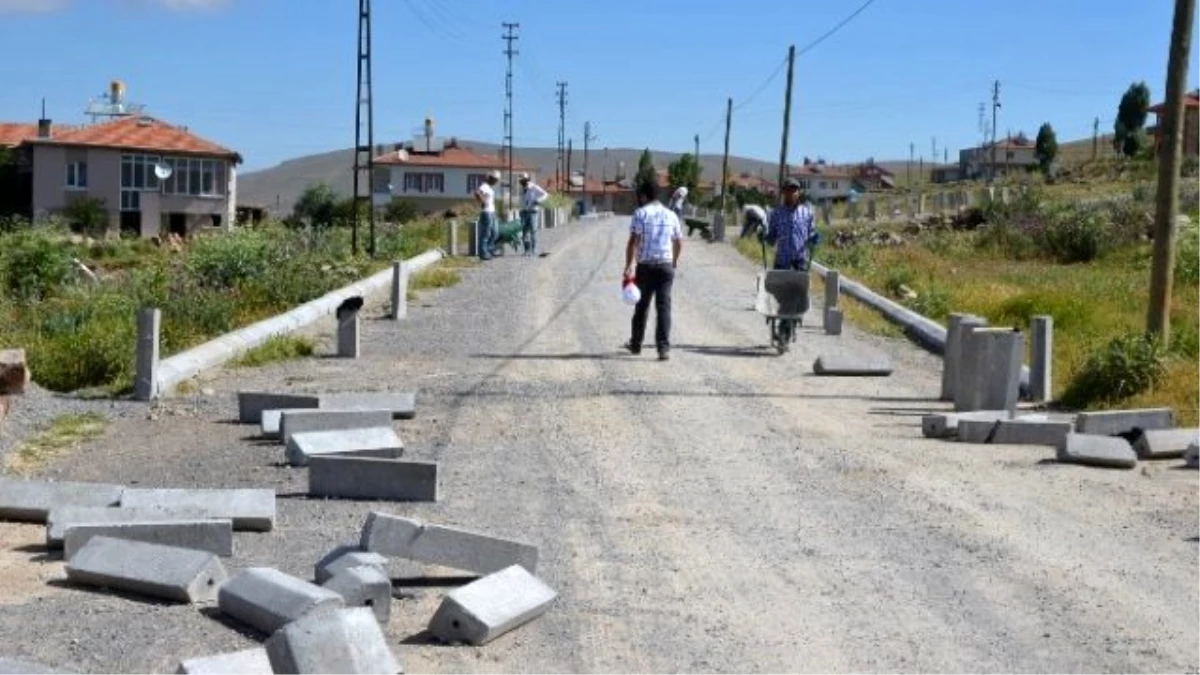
724, 511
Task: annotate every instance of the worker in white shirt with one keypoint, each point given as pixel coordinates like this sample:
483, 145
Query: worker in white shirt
532, 195
485, 195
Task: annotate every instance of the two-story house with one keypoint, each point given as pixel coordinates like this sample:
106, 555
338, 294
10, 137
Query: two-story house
822, 181
1191, 123
152, 177
1017, 154
437, 174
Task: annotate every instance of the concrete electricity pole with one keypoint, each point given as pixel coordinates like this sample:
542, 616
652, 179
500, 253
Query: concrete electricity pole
787, 119
1095, 138
508, 37
995, 107
1158, 318
562, 133
725, 161
587, 139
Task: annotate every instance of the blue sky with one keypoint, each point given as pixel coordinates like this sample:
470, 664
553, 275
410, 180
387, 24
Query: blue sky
275, 79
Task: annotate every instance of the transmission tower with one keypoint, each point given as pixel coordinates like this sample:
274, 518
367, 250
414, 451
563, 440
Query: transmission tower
562, 133
508, 37
364, 159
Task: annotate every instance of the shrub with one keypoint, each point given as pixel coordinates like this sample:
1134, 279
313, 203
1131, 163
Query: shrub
1068, 310
401, 211
34, 265
225, 260
87, 215
1077, 234
1125, 367
897, 279
932, 303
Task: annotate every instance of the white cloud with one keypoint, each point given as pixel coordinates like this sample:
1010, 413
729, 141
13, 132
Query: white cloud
31, 6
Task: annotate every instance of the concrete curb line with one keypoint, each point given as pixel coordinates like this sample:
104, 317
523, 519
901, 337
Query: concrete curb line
926, 332
188, 364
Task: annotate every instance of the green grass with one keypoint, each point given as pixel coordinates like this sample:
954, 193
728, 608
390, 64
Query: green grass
277, 348
63, 433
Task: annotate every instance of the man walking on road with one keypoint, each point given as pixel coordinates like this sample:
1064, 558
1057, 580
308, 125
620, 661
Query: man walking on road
485, 195
655, 241
792, 229
532, 195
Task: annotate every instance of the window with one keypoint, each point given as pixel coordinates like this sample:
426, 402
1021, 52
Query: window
822, 185
474, 180
137, 172
197, 177
834, 185
424, 182
77, 175
131, 200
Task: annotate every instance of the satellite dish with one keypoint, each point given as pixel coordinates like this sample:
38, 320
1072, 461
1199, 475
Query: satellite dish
402, 155
162, 171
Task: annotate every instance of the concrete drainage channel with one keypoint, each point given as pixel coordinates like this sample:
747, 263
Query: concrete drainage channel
167, 544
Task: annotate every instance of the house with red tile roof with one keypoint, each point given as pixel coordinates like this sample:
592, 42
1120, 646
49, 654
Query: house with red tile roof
1014, 154
436, 173
1191, 123
153, 177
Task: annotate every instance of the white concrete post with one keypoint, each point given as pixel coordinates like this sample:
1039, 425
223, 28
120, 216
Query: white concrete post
991, 370
953, 372
452, 238
149, 326
399, 290
1041, 370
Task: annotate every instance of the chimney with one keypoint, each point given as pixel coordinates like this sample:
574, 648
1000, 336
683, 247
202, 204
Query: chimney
43, 123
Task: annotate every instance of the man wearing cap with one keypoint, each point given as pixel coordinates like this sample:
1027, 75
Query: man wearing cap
792, 229
532, 195
485, 195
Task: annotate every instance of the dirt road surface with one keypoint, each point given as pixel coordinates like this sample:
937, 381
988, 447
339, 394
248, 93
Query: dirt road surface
723, 511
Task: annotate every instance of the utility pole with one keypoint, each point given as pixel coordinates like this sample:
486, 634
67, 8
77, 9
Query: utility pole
364, 158
562, 133
1095, 138
912, 149
1158, 318
787, 119
604, 174
933, 156
508, 37
945, 155
568, 176
995, 107
587, 139
725, 161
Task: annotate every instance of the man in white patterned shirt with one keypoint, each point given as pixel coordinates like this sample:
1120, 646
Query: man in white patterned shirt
655, 241
532, 195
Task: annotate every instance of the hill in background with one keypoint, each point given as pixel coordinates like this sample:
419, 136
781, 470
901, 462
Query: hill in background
278, 187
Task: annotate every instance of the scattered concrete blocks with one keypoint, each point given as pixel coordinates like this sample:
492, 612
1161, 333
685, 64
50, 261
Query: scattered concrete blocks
1090, 450
249, 508
166, 572
344, 558
485, 609
1114, 422
31, 500
19, 667
214, 536
246, 662
953, 377
1165, 443
364, 586
1192, 456
339, 641
62, 517
372, 478
322, 419
945, 425
1041, 371
990, 370
1017, 431
851, 366
402, 404
267, 599
271, 420
447, 546
252, 404
372, 442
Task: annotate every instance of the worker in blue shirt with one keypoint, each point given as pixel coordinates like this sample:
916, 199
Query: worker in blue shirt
792, 229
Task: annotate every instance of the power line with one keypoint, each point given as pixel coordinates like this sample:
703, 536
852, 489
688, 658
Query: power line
835, 29
761, 88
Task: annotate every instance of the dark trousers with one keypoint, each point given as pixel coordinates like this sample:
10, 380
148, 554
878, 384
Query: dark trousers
654, 280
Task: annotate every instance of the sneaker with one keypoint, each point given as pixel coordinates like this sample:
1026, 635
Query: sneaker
631, 349
664, 355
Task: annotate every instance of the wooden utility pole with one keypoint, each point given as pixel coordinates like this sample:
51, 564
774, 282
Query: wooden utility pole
725, 161
787, 119
1158, 318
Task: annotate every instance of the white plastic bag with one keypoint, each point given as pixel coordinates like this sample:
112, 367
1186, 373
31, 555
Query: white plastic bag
630, 293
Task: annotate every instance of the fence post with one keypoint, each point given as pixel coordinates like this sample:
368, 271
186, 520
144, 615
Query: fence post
149, 326
452, 238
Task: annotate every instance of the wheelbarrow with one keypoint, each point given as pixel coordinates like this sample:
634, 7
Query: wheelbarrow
509, 233
783, 299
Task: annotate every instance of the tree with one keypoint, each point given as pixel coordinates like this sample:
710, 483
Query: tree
87, 215
343, 211
1128, 134
1046, 147
646, 171
684, 172
401, 211
317, 205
